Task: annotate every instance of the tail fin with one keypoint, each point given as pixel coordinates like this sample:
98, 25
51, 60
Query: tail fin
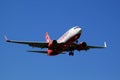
47, 37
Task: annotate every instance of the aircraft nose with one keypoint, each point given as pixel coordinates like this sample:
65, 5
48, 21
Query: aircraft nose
80, 30
77, 29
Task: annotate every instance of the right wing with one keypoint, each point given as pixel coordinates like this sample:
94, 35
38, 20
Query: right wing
33, 44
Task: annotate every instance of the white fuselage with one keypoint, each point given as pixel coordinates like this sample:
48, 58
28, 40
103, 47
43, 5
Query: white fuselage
70, 34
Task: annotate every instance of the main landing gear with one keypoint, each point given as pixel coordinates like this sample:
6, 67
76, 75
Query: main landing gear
76, 41
71, 54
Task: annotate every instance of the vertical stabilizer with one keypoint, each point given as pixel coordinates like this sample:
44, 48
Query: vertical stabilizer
47, 37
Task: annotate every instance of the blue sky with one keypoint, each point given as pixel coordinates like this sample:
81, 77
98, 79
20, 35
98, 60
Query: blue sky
29, 20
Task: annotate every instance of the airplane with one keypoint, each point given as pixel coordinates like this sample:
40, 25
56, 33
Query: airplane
68, 42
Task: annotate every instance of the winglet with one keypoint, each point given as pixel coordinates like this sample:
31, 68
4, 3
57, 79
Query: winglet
105, 45
7, 40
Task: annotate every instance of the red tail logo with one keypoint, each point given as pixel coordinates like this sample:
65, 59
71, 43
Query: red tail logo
47, 37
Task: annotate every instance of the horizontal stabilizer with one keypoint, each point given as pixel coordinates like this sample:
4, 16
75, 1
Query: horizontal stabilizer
45, 52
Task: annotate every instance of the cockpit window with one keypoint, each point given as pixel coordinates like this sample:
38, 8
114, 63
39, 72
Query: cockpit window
76, 27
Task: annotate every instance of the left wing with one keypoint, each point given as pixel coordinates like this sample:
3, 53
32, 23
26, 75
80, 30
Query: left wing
84, 47
33, 44
88, 47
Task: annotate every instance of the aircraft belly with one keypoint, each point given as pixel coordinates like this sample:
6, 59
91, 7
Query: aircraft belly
68, 44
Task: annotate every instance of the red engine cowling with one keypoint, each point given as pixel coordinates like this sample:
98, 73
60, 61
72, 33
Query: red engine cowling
52, 52
82, 46
52, 44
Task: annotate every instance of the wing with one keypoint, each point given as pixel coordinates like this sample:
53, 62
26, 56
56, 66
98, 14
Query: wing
98, 46
88, 47
75, 46
33, 44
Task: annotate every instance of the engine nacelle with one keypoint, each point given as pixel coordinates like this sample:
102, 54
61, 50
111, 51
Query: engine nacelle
52, 44
52, 52
82, 46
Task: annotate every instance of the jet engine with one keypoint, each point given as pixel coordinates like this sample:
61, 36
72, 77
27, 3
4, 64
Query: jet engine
52, 44
82, 46
52, 48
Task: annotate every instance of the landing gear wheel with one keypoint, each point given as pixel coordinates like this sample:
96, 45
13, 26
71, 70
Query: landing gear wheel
76, 41
71, 54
